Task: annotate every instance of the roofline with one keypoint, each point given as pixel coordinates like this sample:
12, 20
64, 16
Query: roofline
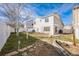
53, 14
76, 7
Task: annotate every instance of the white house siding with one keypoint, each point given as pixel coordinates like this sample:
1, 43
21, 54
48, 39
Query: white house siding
37, 25
4, 33
28, 26
67, 29
52, 23
76, 21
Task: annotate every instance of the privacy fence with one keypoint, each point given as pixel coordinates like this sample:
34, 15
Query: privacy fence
5, 31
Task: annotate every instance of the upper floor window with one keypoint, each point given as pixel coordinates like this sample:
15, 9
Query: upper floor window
46, 20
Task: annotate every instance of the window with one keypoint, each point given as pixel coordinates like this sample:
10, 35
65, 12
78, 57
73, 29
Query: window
46, 20
46, 28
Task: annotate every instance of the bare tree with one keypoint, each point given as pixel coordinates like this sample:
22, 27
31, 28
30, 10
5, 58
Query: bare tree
27, 16
12, 11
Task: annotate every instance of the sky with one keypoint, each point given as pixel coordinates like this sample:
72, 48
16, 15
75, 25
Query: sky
45, 9
63, 9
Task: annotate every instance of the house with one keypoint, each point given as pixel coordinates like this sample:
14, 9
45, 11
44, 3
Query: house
51, 24
76, 21
67, 29
28, 26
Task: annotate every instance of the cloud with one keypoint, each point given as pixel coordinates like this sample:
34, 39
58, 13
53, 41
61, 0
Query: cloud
65, 7
31, 9
65, 10
44, 9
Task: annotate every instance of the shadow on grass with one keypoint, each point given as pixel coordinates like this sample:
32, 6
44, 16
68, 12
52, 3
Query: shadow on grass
11, 44
40, 48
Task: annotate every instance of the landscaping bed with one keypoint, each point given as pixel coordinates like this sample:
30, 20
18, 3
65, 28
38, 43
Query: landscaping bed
12, 42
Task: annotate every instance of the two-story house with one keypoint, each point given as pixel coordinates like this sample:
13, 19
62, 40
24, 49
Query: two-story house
51, 24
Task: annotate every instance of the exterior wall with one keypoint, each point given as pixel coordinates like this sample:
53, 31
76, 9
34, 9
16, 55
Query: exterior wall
51, 25
40, 24
28, 26
76, 21
67, 29
54, 21
37, 25
4, 33
58, 23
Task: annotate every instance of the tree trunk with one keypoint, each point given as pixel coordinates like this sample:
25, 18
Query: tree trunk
27, 35
18, 39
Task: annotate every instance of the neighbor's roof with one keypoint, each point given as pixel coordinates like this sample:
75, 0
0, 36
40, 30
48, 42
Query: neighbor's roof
56, 15
76, 7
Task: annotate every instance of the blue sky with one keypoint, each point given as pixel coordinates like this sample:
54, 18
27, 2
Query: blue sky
63, 9
45, 9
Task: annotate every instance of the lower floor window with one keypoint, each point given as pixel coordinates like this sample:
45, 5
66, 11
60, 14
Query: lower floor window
46, 28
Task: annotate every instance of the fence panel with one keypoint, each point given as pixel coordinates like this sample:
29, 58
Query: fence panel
4, 33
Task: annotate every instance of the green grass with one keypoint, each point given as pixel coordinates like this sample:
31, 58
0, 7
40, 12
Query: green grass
66, 37
63, 37
11, 44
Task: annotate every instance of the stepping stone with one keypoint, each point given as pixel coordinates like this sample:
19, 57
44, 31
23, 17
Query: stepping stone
34, 47
24, 54
12, 53
31, 49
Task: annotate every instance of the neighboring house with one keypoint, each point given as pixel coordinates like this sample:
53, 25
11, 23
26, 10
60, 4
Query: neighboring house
51, 24
28, 26
76, 21
67, 29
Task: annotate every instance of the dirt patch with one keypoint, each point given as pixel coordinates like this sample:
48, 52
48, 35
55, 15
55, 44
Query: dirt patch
42, 49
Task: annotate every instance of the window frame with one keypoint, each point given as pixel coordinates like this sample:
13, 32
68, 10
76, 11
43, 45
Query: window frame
46, 20
47, 28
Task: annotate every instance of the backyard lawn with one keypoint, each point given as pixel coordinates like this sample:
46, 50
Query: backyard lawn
66, 37
63, 37
11, 44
